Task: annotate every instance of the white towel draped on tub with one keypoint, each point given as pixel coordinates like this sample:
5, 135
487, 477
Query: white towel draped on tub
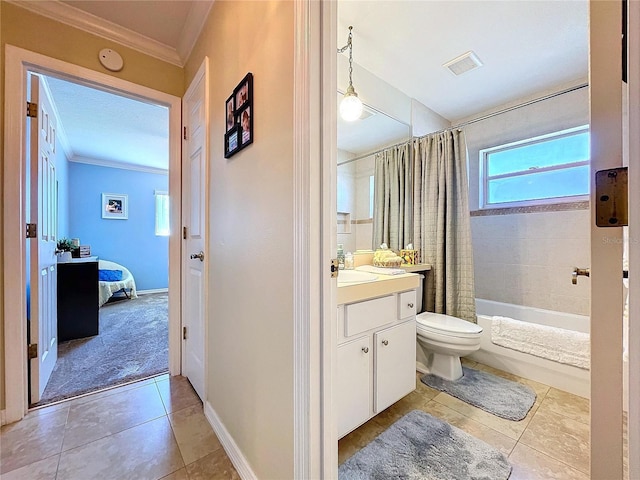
557, 344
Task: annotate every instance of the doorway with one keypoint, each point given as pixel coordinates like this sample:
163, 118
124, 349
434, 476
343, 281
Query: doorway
112, 325
18, 63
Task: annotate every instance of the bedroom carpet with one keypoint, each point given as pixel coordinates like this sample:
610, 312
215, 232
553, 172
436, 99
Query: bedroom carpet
496, 395
422, 447
133, 343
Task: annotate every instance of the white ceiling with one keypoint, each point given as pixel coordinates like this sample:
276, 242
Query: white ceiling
527, 46
108, 129
160, 20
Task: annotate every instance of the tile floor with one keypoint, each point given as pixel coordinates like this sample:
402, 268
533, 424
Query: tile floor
154, 429
552, 442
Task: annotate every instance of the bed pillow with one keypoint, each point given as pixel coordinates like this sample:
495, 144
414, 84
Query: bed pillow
110, 275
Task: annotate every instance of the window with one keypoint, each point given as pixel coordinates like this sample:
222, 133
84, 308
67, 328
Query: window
162, 213
545, 169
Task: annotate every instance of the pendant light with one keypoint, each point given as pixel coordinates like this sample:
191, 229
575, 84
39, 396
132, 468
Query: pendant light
351, 105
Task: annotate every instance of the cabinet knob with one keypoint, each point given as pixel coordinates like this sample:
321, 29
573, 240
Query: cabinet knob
385, 342
365, 349
410, 305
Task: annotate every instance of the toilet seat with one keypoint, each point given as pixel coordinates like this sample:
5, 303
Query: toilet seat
440, 324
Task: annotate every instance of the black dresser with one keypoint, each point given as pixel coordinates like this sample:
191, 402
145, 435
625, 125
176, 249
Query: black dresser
77, 299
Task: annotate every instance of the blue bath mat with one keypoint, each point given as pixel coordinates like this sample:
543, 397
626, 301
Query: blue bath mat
501, 397
419, 446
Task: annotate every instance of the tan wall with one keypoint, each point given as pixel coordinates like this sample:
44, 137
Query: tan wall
250, 311
33, 32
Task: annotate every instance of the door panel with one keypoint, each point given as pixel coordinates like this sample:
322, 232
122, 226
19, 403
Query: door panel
194, 168
43, 321
353, 384
395, 349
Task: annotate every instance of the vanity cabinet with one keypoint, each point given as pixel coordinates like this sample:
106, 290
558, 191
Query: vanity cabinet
376, 357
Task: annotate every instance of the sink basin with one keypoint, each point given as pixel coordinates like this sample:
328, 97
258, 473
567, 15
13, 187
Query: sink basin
353, 276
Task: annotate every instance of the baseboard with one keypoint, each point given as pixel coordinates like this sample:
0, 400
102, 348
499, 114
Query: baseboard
233, 451
153, 290
3, 417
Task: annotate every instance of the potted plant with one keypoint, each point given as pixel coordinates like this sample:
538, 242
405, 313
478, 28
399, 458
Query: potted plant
64, 248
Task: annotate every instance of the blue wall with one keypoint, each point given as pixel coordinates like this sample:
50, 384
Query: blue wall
131, 242
62, 174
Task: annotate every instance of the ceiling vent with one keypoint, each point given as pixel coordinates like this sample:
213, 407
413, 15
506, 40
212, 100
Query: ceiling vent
366, 112
464, 63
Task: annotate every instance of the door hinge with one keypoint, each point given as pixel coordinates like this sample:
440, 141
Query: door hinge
32, 351
334, 268
32, 230
184, 233
184, 333
32, 110
184, 133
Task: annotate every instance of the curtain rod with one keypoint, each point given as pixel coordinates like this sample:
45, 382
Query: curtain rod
514, 107
475, 120
365, 155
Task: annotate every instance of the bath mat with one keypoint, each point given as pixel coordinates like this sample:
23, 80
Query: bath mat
420, 446
499, 396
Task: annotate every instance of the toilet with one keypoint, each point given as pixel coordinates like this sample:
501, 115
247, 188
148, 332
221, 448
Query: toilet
442, 340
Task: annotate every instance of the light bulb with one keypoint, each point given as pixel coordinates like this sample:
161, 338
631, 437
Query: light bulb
350, 107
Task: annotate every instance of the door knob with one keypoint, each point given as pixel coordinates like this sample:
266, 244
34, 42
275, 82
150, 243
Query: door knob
578, 271
197, 255
385, 342
365, 349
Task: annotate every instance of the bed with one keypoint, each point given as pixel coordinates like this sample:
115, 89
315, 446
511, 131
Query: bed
114, 282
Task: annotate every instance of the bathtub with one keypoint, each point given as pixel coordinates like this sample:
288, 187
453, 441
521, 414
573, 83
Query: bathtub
564, 377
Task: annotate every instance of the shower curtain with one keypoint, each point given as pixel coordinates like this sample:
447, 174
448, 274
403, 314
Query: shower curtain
441, 228
392, 197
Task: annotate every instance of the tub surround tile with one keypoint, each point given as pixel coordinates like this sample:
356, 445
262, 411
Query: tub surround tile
31, 440
529, 464
147, 451
106, 416
42, 470
559, 437
215, 465
568, 405
193, 433
177, 393
497, 440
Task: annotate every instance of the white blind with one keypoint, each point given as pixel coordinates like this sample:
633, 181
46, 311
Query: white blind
162, 213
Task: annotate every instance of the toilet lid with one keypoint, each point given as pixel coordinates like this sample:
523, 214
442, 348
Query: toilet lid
447, 323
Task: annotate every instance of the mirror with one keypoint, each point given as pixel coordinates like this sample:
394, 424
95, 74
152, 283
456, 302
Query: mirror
357, 144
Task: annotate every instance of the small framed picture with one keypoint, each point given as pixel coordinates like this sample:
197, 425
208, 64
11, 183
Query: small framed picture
244, 92
230, 112
115, 206
245, 121
232, 141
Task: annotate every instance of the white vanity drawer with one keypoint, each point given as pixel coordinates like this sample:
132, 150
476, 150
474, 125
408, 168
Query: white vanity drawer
363, 316
406, 304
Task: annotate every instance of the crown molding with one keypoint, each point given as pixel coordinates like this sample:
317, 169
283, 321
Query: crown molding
121, 165
87, 22
192, 28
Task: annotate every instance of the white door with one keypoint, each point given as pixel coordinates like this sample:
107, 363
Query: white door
43, 211
194, 215
605, 85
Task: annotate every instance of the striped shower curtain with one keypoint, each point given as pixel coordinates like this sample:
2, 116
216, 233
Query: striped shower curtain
441, 227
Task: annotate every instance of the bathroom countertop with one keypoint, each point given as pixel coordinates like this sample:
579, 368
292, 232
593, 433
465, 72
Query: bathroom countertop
383, 285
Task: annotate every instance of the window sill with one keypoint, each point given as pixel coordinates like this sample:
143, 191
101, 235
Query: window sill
549, 207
